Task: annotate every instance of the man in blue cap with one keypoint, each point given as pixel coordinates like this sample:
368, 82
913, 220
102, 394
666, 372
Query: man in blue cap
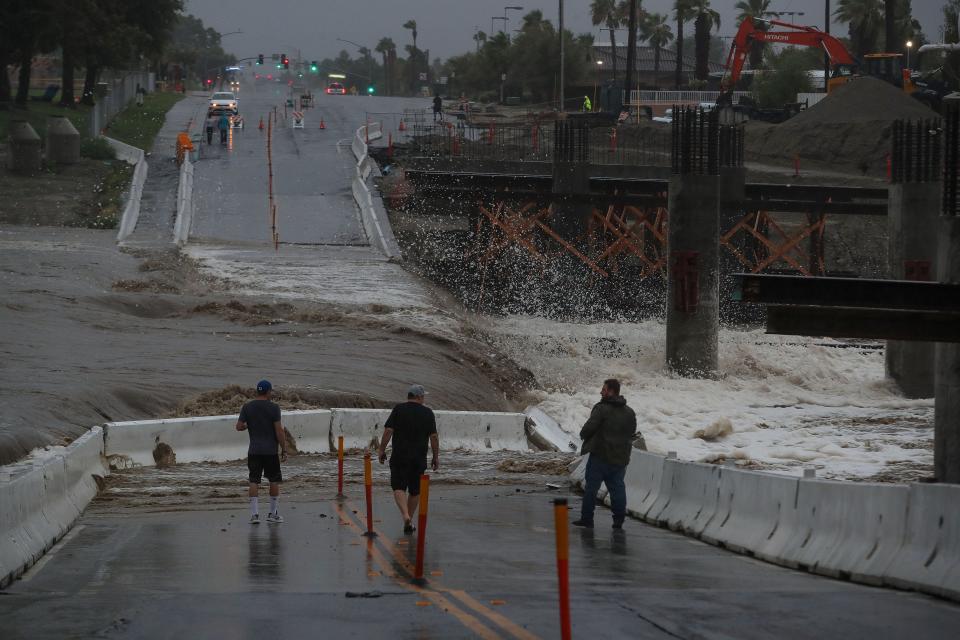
411, 425
261, 419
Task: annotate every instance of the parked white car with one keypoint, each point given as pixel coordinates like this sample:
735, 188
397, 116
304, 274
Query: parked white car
666, 118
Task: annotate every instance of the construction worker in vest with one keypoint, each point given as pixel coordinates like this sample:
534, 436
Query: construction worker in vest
587, 105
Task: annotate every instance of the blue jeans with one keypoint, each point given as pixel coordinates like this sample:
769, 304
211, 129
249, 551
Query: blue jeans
611, 475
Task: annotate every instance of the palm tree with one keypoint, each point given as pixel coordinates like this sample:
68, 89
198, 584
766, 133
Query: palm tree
384, 47
682, 13
760, 10
605, 12
864, 20
705, 19
480, 38
657, 32
412, 25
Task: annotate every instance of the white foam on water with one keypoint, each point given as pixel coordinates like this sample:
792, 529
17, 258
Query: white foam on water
790, 401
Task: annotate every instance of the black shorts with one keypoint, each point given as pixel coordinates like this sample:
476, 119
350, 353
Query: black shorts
405, 475
264, 465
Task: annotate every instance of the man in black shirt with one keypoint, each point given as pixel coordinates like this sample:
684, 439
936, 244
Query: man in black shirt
261, 419
411, 425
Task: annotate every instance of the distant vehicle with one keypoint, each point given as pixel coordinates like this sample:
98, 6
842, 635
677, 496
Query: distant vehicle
225, 100
666, 118
335, 88
235, 85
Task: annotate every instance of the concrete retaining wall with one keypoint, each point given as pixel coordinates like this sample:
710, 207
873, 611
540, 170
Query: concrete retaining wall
373, 214
39, 502
905, 536
215, 438
131, 210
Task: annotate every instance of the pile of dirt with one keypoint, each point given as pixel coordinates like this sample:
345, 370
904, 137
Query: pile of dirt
848, 131
229, 400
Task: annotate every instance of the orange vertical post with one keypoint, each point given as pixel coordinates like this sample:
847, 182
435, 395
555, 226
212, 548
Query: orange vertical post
340, 467
368, 490
422, 527
563, 564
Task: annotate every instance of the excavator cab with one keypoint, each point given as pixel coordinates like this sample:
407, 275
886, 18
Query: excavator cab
888, 67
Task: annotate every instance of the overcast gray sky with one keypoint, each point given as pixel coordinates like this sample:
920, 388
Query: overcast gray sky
445, 27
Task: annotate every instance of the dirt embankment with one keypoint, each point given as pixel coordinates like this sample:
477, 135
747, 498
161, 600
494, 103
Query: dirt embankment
848, 131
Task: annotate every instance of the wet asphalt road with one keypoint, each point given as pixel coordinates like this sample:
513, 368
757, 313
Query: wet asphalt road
201, 571
311, 171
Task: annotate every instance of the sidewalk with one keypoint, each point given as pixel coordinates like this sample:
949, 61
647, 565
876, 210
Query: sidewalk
158, 207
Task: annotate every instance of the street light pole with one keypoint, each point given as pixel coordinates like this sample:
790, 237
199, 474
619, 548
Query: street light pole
362, 48
506, 21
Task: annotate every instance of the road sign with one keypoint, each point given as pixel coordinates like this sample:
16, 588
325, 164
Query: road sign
423, 77
443, 79
298, 120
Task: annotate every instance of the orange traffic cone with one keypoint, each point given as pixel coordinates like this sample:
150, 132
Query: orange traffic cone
403, 126
323, 125
261, 123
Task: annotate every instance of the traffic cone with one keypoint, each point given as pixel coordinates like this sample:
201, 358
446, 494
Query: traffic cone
403, 126
323, 125
261, 123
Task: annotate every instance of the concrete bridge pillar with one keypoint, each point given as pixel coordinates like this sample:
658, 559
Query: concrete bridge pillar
946, 446
913, 204
693, 319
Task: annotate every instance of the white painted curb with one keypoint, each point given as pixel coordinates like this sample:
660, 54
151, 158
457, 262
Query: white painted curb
40, 501
131, 210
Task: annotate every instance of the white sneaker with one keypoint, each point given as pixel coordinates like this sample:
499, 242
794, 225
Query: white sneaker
275, 518
255, 518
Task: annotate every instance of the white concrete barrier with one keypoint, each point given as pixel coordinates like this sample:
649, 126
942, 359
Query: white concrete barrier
181, 228
208, 439
929, 556
467, 430
41, 501
693, 496
546, 434
643, 478
131, 210
751, 508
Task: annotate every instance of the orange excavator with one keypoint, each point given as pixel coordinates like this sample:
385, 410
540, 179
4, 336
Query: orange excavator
843, 67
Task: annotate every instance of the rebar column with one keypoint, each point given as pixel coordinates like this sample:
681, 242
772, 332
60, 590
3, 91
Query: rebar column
693, 319
570, 176
946, 444
913, 205
732, 209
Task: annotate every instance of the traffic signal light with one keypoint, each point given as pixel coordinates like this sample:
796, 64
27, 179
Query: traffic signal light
209, 82
314, 67
285, 61
370, 89
260, 59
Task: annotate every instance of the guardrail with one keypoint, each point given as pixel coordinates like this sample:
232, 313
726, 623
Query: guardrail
904, 536
373, 214
676, 97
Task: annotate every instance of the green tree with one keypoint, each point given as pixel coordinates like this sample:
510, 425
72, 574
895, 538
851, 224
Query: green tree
788, 75
706, 19
657, 32
388, 50
864, 19
760, 10
412, 61
605, 12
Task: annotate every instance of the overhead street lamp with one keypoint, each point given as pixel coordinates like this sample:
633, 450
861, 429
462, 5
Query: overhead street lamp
363, 48
909, 46
497, 18
506, 21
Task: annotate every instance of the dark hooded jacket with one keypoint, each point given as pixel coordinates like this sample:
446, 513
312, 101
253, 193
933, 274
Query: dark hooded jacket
609, 432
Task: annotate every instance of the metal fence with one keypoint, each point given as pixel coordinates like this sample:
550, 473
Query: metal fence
118, 89
643, 146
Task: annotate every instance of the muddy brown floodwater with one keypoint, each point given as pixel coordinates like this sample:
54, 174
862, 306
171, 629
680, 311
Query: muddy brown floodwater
92, 333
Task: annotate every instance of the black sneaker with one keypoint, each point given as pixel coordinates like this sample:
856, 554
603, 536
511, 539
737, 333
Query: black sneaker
408, 527
587, 524
618, 524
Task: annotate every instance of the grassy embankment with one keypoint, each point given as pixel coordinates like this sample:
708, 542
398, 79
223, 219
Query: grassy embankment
98, 183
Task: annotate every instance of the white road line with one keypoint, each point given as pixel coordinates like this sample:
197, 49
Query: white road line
35, 569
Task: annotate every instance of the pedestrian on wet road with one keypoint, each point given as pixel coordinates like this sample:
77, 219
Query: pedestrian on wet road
437, 108
210, 124
224, 125
411, 424
608, 437
261, 419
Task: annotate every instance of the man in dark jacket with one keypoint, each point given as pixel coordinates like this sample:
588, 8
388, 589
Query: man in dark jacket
608, 437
